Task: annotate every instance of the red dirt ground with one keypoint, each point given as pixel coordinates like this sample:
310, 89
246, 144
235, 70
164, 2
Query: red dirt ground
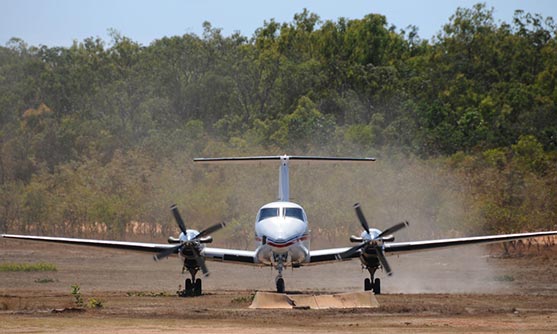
468, 290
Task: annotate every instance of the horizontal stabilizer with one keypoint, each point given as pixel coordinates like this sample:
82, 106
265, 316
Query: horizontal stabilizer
291, 158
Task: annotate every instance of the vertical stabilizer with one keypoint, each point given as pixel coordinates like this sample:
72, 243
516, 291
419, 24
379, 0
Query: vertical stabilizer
284, 182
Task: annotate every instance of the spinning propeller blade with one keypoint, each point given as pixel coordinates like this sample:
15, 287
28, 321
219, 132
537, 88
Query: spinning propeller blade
166, 252
178, 218
210, 230
383, 261
393, 229
361, 217
352, 250
200, 262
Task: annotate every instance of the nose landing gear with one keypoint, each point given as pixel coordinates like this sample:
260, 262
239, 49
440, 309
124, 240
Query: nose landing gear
193, 286
279, 280
371, 284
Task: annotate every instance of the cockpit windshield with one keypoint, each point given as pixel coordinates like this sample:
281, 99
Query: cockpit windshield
294, 213
268, 213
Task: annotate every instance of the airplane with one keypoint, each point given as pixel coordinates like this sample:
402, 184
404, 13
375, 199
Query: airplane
282, 234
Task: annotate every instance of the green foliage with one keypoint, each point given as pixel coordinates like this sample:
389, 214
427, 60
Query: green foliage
95, 303
96, 139
359, 134
529, 154
148, 294
76, 293
27, 267
44, 280
78, 298
243, 299
304, 126
495, 158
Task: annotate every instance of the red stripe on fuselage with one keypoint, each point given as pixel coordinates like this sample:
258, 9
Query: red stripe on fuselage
290, 243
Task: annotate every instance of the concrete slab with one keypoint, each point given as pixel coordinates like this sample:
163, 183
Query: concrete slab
270, 300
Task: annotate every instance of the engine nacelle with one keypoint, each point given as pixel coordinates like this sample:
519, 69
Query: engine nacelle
206, 240
354, 238
389, 238
172, 240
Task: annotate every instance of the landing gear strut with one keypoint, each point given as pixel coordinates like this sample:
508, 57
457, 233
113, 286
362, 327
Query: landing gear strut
372, 285
192, 287
279, 280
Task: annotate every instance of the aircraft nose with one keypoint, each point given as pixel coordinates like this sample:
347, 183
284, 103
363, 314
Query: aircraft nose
286, 233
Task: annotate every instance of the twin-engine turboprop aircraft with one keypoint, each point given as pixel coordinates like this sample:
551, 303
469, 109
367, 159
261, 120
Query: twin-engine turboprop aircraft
281, 228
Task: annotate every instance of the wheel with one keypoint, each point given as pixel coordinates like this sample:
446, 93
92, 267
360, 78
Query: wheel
377, 286
197, 288
367, 285
280, 285
189, 288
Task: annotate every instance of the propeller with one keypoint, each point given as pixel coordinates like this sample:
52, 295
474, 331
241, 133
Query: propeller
192, 243
377, 242
178, 218
361, 217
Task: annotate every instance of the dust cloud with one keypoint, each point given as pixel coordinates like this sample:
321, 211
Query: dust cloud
390, 190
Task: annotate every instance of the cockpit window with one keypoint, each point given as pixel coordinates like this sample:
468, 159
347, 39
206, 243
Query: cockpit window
268, 213
295, 213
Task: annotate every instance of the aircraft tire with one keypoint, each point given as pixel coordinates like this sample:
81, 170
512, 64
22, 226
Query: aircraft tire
377, 286
367, 285
197, 287
280, 285
188, 287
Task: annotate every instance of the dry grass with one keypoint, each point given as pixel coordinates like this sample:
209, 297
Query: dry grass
27, 267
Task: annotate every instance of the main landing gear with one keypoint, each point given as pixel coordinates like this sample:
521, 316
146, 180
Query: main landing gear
371, 284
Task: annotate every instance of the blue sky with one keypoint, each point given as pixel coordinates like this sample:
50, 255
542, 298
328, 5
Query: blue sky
60, 22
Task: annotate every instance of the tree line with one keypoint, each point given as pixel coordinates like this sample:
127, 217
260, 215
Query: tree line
96, 139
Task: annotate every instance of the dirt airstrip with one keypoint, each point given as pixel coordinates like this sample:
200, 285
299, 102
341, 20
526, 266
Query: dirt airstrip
468, 290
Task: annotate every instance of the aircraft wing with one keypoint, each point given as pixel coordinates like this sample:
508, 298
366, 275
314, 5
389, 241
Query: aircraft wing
329, 255
230, 255
418, 246
136, 246
213, 254
333, 254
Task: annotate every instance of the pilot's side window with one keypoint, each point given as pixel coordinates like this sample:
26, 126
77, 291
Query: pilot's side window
294, 213
268, 213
